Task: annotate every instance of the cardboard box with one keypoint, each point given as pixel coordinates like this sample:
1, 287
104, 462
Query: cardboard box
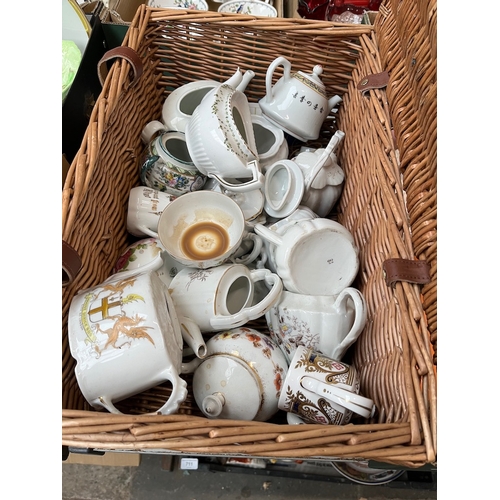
123, 11
111, 458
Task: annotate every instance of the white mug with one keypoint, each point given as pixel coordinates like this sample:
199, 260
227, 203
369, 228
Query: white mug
321, 390
222, 297
145, 205
126, 337
329, 324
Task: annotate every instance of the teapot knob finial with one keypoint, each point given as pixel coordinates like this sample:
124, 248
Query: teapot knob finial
318, 70
213, 404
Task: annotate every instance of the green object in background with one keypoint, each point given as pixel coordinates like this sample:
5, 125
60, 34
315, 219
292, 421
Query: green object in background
71, 58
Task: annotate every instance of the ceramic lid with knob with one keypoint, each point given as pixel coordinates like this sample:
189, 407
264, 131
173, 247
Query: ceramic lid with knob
241, 376
225, 379
313, 79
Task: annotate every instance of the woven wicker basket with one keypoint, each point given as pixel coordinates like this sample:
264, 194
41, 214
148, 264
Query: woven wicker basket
389, 204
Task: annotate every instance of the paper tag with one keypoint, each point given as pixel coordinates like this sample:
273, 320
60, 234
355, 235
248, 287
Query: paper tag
189, 463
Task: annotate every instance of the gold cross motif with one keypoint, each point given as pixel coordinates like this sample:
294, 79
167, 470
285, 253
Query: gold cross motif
105, 307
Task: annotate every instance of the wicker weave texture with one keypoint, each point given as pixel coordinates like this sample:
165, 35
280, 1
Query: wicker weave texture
389, 198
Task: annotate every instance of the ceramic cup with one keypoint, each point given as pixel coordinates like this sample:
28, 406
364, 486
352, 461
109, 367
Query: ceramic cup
322, 391
126, 337
314, 257
166, 165
202, 229
327, 324
223, 297
145, 205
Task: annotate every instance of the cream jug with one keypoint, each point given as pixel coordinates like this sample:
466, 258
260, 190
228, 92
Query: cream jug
298, 101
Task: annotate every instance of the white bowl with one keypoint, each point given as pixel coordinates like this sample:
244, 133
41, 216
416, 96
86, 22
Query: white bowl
248, 7
179, 4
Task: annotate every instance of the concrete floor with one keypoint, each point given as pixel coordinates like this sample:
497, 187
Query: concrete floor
160, 477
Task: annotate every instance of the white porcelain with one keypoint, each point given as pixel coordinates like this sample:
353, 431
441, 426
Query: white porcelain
143, 255
328, 324
126, 337
323, 177
202, 229
241, 376
221, 140
321, 390
251, 202
297, 102
222, 297
166, 165
179, 4
248, 7
283, 188
145, 205
313, 257
179, 105
278, 225
270, 140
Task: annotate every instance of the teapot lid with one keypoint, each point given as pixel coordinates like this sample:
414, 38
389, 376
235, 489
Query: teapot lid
224, 387
313, 79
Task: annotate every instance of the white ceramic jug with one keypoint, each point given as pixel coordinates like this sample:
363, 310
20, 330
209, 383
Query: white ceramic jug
325, 323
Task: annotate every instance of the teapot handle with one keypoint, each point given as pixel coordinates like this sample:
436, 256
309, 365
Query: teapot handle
279, 61
177, 396
267, 234
332, 145
256, 182
360, 316
350, 400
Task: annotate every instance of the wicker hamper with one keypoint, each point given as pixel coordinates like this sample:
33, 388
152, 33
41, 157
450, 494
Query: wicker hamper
389, 203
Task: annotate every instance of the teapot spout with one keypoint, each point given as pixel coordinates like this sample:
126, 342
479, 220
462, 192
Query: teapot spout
236, 79
333, 101
192, 336
249, 74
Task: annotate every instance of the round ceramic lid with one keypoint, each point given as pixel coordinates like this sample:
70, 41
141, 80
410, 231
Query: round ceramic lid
283, 188
227, 376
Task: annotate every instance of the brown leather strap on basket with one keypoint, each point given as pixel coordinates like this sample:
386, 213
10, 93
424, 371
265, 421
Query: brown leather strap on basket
71, 264
126, 53
375, 81
412, 271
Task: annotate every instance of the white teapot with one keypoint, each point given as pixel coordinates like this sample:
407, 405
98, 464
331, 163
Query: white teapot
298, 102
240, 377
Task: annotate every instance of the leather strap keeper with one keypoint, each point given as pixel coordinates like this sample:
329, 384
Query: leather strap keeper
375, 81
412, 271
71, 264
126, 53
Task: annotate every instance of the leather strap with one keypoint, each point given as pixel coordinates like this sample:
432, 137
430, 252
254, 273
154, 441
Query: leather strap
126, 53
412, 271
71, 264
375, 81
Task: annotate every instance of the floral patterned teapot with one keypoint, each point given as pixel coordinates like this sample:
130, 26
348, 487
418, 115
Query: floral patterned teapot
298, 101
240, 377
